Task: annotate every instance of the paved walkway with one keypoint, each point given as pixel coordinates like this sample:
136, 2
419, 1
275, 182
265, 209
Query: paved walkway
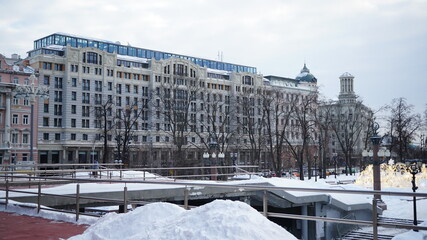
13, 226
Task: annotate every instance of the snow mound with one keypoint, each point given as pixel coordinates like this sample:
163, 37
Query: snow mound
220, 219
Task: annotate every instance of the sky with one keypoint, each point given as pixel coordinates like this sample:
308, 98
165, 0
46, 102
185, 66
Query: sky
383, 43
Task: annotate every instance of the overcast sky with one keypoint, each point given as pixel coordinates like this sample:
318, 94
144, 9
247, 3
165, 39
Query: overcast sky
383, 43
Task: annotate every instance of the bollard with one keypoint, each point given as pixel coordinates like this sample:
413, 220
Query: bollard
7, 194
265, 204
125, 193
186, 198
77, 201
39, 197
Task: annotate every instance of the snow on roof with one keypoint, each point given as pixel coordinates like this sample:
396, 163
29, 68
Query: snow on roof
55, 47
223, 72
132, 59
28, 69
346, 74
220, 219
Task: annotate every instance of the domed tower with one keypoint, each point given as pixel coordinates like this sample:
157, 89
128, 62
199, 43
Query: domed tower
306, 76
347, 94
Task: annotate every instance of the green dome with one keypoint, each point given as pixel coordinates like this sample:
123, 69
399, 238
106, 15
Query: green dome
306, 76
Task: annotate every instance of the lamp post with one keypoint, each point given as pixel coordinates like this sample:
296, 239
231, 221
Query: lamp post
31, 92
315, 166
376, 139
414, 168
334, 155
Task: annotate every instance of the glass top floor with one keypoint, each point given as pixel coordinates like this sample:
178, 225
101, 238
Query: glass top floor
64, 39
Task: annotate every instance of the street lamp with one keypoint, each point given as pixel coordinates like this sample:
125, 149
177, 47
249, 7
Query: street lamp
334, 155
414, 168
315, 166
31, 92
376, 139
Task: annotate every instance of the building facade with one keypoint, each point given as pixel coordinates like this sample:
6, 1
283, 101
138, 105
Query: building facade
150, 107
347, 122
15, 118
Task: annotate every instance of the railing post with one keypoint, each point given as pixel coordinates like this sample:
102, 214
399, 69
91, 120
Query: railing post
374, 219
265, 203
125, 201
39, 197
120, 174
186, 198
7, 193
77, 201
143, 178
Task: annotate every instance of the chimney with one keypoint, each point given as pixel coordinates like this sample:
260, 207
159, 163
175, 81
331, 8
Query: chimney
15, 56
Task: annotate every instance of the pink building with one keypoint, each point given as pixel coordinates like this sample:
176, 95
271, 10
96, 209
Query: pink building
15, 114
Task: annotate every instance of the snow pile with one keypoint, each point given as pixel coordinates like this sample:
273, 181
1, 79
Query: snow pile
220, 219
412, 235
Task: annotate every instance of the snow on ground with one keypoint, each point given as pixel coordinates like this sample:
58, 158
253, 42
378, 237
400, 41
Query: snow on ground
220, 219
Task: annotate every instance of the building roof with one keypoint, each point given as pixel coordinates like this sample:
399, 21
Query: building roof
306, 76
346, 75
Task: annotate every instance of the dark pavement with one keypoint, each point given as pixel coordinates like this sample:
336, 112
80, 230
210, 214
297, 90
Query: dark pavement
14, 226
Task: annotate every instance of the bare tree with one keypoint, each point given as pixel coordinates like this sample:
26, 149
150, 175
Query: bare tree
216, 123
348, 123
403, 125
103, 110
276, 116
324, 120
249, 127
126, 124
303, 126
175, 95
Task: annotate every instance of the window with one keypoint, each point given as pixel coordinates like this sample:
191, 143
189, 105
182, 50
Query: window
86, 85
119, 88
74, 68
26, 81
45, 136
46, 80
57, 110
57, 136
58, 96
57, 122
73, 122
15, 101
85, 123
46, 122
59, 67
14, 138
110, 86
85, 137
73, 136
73, 109
74, 82
25, 119
25, 157
15, 119
74, 96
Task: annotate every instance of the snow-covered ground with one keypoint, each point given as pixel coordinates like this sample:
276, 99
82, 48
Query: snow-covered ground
220, 219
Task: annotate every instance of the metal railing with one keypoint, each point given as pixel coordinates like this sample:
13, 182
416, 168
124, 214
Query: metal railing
65, 170
265, 189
